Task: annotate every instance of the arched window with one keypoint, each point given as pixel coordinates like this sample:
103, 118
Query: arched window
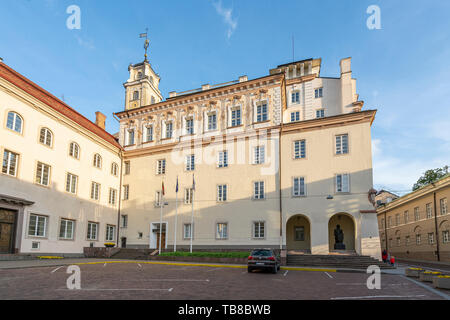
14, 122
136, 95
114, 169
97, 161
74, 150
46, 137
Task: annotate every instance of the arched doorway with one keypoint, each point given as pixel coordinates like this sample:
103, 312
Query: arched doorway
347, 227
298, 234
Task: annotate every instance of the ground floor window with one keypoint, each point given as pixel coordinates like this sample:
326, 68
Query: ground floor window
446, 236
92, 231
418, 239
299, 233
37, 226
222, 231
110, 232
124, 221
259, 230
431, 238
187, 231
66, 229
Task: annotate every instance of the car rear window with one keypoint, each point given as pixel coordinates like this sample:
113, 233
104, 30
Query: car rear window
262, 253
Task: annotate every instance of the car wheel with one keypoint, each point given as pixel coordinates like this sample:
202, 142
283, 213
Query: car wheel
275, 269
249, 270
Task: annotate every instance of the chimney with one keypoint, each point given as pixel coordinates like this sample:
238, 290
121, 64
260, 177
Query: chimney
100, 119
346, 85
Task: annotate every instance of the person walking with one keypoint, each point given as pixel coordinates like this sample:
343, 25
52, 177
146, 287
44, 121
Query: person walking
384, 256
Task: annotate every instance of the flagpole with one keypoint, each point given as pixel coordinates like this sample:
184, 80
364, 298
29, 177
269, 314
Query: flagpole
160, 217
176, 216
192, 211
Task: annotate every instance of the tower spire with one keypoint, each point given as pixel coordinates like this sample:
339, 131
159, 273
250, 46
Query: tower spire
146, 43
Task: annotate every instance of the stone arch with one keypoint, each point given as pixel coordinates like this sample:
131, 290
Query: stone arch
348, 226
444, 224
298, 233
417, 229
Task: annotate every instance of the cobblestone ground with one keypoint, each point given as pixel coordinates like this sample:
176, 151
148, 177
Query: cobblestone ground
148, 281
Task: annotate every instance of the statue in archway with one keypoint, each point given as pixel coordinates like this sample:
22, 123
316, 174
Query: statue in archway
339, 238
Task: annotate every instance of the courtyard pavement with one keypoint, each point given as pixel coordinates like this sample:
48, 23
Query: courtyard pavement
107, 279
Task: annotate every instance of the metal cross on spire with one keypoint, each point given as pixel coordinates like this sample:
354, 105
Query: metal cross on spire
146, 44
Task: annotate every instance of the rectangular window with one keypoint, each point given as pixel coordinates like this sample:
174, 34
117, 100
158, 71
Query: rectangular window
406, 215
443, 203
188, 194
318, 93
124, 221
398, 242
259, 155
236, 117
397, 219
66, 229
189, 126
95, 191
342, 144
112, 196
169, 127
222, 193
10, 160
190, 162
223, 159
342, 183
187, 231
295, 116
110, 232
389, 222
431, 238
148, 133
43, 174
130, 140
261, 112
92, 231
299, 233
212, 121
295, 97
298, 188
382, 222
407, 240
71, 183
37, 226
429, 211
259, 230
222, 231
446, 236
320, 113
416, 214
300, 149
258, 190
127, 167
418, 239
161, 167
126, 192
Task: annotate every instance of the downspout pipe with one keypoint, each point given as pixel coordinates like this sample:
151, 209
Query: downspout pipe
438, 254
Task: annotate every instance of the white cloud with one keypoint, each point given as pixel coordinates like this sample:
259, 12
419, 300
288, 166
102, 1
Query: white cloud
227, 15
89, 44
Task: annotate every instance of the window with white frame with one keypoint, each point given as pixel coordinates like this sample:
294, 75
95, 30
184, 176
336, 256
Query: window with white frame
114, 169
188, 195
169, 129
130, 137
416, 214
222, 193
92, 231
74, 150
95, 190
37, 226
10, 161
259, 229
223, 159
190, 162
222, 231
189, 125
110, 232
14, 122
342, 183
187, 231
161, 166
258, 155
342, 144
429, 211
66, 229
295, 116
258, 190
212, 121
446, 236
97, 161
443, 205
295, 97
148, 136
320, 113
112, 196
126, 192
298, 188
318, 93
71, 183
300, 149
235, 116
261, 112
43, 174
418, 239
124, 220
46, 137
431, 238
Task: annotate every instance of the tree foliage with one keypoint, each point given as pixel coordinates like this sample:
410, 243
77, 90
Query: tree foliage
430, 176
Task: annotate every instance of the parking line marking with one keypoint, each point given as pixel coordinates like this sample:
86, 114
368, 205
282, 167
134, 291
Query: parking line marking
375, 297
132, 289
329, 275
104, 265
56, 269
284, 275
139, 265
175, 280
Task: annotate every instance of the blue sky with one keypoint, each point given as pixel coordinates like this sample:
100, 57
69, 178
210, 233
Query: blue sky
403, 70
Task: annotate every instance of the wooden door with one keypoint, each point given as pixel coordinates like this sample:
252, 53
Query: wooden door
163, 240
7, 225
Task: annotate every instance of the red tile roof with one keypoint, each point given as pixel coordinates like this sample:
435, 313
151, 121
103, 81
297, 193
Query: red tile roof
44, 96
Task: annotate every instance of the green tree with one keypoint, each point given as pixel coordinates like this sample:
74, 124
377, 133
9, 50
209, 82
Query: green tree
430, 176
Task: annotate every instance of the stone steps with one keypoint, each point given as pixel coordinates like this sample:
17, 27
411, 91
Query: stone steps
132, 254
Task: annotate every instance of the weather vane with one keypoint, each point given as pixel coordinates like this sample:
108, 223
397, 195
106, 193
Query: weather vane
147, 42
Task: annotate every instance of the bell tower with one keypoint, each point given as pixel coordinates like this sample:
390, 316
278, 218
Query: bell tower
142, 87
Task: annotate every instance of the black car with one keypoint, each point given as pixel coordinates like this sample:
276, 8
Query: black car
265, 259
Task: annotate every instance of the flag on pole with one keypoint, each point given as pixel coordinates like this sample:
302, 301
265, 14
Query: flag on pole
176, 190
193, 182
163, 193
143, 35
